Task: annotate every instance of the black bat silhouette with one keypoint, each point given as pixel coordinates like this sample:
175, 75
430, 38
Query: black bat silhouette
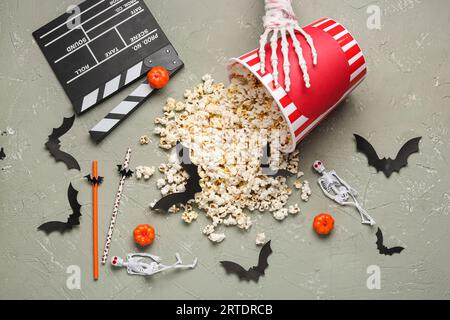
192, 184
387, 166
124, 172
265, 166
94, 180
254, 273
2, 154
53, 144
72, 221
383, 249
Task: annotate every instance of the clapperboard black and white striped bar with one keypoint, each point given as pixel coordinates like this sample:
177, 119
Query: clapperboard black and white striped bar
103, 47
166, 57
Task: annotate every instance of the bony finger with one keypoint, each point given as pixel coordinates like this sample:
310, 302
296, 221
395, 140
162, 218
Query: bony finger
301, 59
286, 64
274, 58
262, 51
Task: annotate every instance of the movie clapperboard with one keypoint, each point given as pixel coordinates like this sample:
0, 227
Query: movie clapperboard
101, 48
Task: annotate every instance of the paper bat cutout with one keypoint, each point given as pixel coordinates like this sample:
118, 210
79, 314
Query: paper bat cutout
94, 181
383, 249
2, 154
192, 184
53, 144
254, 273
124, 172
387, 165
265, 166
72, 221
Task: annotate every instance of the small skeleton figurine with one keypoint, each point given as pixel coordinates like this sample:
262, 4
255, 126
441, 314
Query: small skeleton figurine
136, 264
338, 190
280, 19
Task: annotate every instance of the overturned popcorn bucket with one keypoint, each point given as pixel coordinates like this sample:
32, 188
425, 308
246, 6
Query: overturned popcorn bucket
340, 69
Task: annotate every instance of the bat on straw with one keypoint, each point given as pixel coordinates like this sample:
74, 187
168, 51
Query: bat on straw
95, 180
125, 173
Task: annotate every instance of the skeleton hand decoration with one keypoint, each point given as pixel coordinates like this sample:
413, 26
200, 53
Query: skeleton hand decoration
136, 264
338, 190
280, 18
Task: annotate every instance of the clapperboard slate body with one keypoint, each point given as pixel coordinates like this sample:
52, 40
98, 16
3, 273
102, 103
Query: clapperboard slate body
114, 43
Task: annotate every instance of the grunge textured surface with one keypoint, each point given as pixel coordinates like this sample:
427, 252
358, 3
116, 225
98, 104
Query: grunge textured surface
406, 94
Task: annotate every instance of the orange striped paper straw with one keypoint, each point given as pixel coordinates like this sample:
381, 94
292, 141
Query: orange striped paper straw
95, 217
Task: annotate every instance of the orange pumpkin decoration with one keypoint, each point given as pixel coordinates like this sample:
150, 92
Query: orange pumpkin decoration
144, 235
158, 77
323, 224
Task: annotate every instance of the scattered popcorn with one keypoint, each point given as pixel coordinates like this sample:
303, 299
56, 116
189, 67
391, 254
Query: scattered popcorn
280, 214
225, 129
208, 229
244, 222
170, 105
144, 172
179, 106
298, 184
144, 140
174, 209
294, 209
230, 221
260, 239
153, 203
300, 174
189, 214
306, 191
160, 183
216, 237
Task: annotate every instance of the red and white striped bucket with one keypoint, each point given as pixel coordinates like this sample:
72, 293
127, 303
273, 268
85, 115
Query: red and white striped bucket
340, 69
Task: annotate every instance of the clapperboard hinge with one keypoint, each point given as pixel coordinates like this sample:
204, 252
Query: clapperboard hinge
166, 57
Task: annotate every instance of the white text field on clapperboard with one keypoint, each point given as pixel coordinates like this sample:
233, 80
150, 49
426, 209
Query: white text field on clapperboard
101, 35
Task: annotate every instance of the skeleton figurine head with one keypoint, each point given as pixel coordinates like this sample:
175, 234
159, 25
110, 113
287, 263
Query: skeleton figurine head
116, 261
318, 166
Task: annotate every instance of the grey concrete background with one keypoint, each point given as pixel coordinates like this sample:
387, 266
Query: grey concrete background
406, 94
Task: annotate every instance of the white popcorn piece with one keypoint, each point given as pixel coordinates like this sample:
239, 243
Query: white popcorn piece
298, 184
209, 229
180, 106
165, 190
160, 183
230, 221
294, 209
162, 167
280, 214
306, 191
174, 209
144, 172
143, 140
189, 215
170, 105
260, 239
216, 221
216, 237
166, 146
153, 203
244, 222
